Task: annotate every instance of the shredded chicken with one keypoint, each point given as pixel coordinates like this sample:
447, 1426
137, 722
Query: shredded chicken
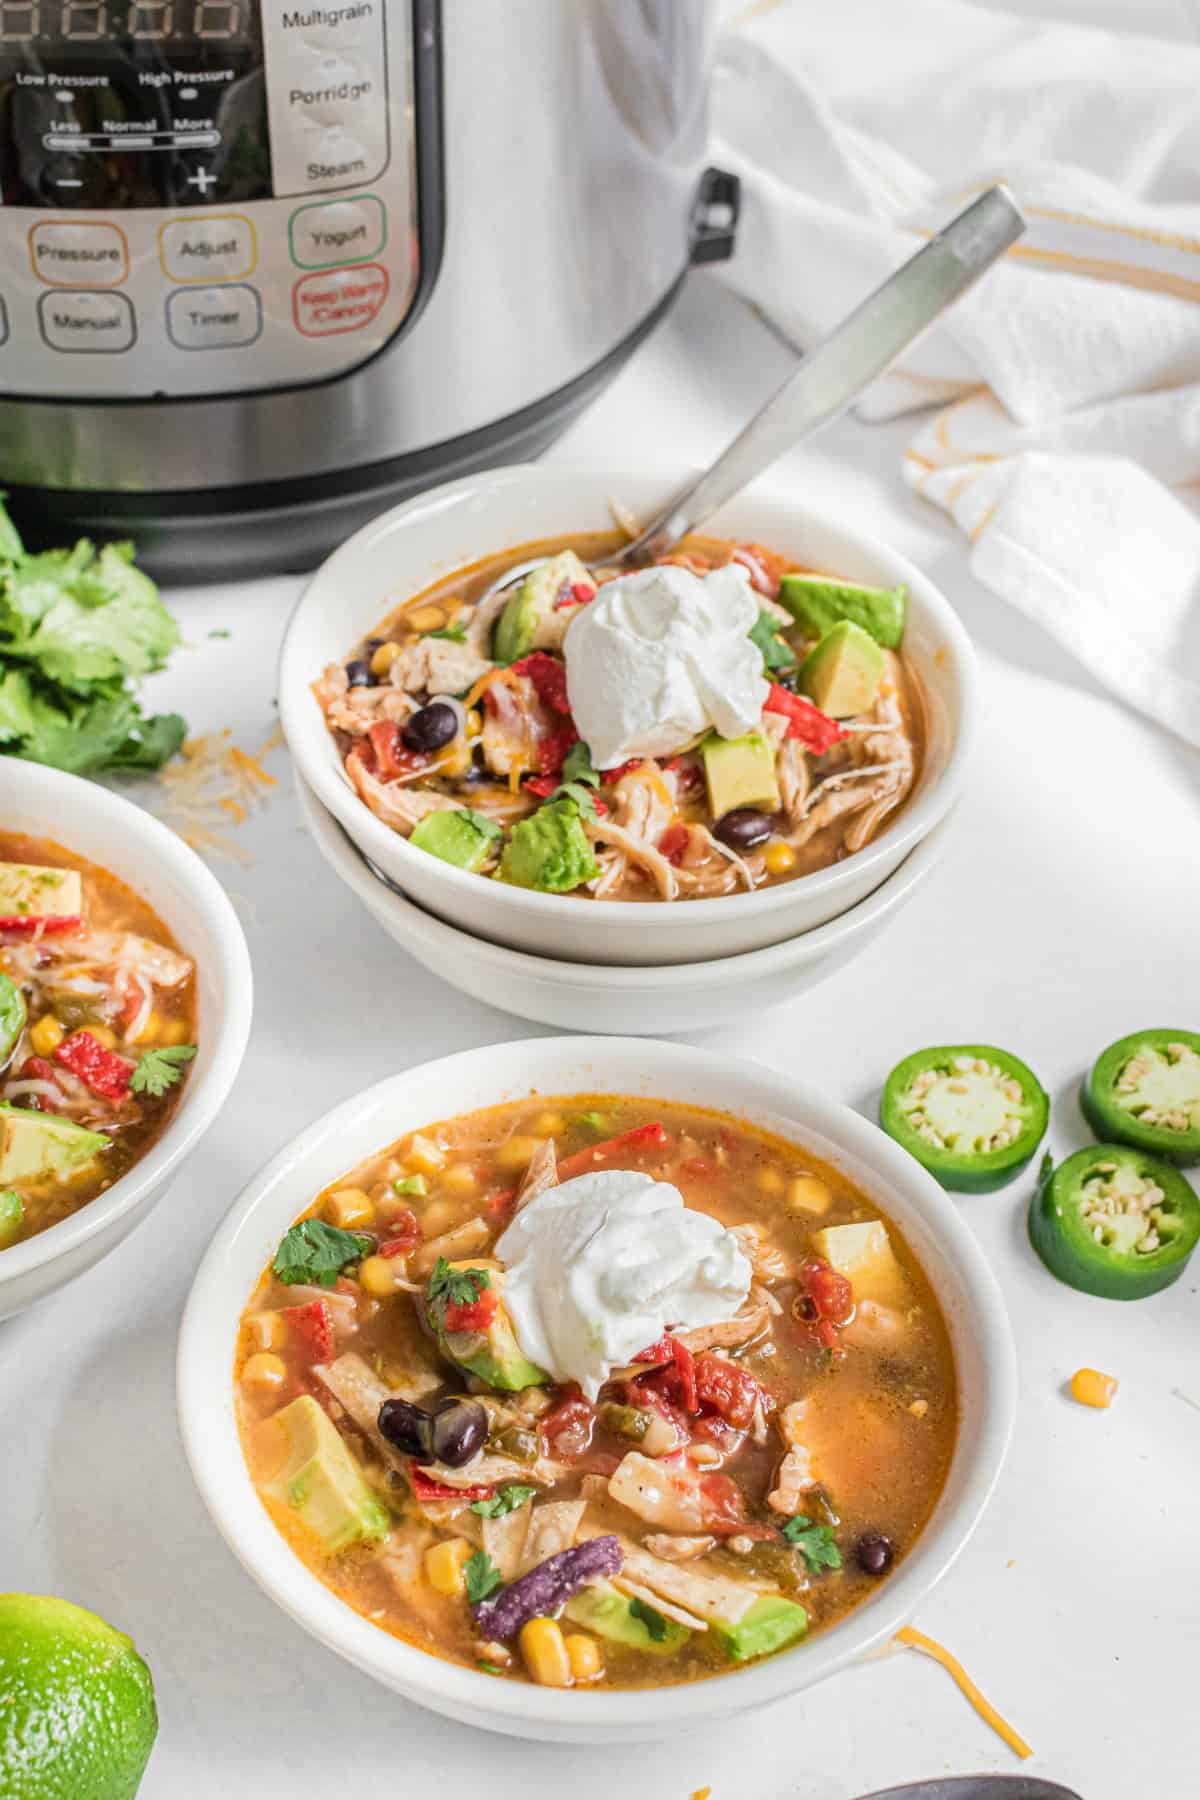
514, 724
766, 1259
437, 666
795, 1477
643, 856
356, 709
729, 1334
401, 808
791, 768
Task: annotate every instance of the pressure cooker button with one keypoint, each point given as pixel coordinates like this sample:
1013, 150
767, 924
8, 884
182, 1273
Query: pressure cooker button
218, 318
341, 300
215, 247
330, 232
86, 253
87, 322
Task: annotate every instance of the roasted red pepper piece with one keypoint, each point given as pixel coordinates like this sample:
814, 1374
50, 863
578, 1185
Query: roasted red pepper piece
548, 676
311, 1325
472, 1315
673, 842
425, 1488
815, 729
406, 1235
553, 748
101, 1070
730, 1391
541, 785
640, 1137
50, 925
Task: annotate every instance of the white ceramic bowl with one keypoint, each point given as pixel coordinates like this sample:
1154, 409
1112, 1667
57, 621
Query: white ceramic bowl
451, 526
121, 837
604, 996
247, 1239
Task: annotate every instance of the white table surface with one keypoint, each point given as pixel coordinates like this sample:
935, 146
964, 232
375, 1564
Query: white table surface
1064, 915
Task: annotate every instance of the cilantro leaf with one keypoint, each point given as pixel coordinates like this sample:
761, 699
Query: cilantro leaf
578, 795
650, 1617
506, 1501
481, 1576
158, 1070
577, 765
313, 1251
816, 1543
455, 634
777, 653
455, 1287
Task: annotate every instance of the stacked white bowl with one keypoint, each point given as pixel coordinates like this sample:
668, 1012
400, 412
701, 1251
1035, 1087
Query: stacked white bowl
639, 966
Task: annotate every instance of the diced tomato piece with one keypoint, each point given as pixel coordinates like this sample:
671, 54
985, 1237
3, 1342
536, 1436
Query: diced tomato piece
578, 594
391, 757
548, 676
36, 1068
711, 1428
553, 748
723, 1505
311, 1325
674, 841
610, 777
831, 1291
500, 1204
541, 785
641, 1137
424, 1487
655, 1353
568, 1427
49, 925
407, 1235
729, 1390
472, 1315
815, 729
100, 1069
685, 1369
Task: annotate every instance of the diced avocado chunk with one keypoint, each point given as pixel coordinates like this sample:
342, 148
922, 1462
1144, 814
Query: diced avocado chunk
30, 891
844, 673
462, 838
770, 1623
740, 772
864, 1255
34, 1145
602, 1609
532, 619
493, 1355
12, 1217
320, 1480
818, 603
549, 851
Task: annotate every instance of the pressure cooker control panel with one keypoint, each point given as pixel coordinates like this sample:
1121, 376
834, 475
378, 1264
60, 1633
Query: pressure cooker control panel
202, 196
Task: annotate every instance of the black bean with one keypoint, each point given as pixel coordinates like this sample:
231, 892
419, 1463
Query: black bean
408, 1427
435, 726
743, 828
460, 1428
874, 1553
358, 673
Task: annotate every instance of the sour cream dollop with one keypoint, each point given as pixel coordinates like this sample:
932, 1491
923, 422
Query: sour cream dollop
599, 1268
661, 656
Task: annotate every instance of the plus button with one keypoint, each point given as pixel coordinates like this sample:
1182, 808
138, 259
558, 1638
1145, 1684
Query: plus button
202, 179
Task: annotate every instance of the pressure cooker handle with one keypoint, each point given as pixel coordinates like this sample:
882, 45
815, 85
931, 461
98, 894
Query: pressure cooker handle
715, 215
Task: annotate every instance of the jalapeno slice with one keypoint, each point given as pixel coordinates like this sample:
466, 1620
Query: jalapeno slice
1144, 1090
971, 1114
1114, 1221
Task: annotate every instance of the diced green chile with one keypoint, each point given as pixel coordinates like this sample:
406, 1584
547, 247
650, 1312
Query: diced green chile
1114, 1221
1144, 1090
971, 1114
12, 1017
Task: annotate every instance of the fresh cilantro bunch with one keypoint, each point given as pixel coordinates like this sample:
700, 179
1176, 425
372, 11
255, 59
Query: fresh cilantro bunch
78, 629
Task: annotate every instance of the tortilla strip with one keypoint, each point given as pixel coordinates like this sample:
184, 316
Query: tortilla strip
667, 1608
551, 1527
709, 1596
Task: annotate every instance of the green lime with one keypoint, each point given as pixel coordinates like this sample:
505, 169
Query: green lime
77, 1714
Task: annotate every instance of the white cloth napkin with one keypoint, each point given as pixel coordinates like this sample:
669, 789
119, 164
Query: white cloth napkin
1069, 380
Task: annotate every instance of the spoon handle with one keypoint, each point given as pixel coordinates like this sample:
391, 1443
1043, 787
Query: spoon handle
978, 1787
829, 377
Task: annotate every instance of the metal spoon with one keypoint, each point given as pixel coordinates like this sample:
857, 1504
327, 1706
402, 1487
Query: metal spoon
834, 374
978, 1787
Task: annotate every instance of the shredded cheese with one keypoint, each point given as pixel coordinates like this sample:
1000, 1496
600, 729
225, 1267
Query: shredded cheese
214, 781
917, 1640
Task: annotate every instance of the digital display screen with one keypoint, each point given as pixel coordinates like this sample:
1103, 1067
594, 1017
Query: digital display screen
53, 25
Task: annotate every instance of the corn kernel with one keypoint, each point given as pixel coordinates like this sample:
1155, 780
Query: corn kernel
444, 1566
1091, 1388
267, 1330
474, 722
46, 1035
424, 1156
264, 1371
459, 1178
425, 618
350, 1208
380, 1276
769, 1180
383, 658
583, 1653
779, 857
808, 1194
545, 1653
515, 1154
174, 1031
550, 1124
103, 1034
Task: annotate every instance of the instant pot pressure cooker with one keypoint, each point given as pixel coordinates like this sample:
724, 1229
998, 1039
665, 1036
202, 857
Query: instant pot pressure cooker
267, 265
